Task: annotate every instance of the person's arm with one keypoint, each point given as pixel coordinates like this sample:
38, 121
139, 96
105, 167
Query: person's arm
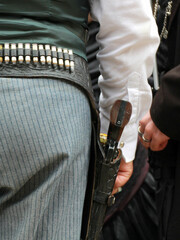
128, 41
163, 121
165, 110
156, 140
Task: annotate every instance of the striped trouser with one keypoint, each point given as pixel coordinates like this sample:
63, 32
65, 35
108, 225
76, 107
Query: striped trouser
45, 128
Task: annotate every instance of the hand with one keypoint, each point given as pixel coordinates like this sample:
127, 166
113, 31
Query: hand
124, 174
156, 140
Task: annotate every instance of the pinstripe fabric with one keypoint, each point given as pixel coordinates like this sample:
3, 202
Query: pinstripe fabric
45, 133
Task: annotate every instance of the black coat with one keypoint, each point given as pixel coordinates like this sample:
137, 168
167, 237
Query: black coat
165, 112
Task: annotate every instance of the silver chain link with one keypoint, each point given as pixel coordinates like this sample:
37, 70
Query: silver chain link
164, 32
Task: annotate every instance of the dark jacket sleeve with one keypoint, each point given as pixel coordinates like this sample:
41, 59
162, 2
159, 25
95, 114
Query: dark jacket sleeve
165, 109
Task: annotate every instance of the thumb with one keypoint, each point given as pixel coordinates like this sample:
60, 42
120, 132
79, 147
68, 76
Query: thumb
124, 173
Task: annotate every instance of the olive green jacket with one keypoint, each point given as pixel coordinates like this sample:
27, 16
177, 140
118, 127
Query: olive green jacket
57, 22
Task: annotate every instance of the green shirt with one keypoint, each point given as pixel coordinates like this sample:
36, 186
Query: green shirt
62, 23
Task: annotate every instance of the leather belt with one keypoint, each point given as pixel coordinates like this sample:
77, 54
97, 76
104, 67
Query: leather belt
45, 54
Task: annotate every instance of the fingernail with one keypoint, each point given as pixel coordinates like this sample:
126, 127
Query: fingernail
119, 189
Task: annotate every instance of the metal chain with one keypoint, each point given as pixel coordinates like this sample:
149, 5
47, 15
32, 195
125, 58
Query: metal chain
164, 32
156, 7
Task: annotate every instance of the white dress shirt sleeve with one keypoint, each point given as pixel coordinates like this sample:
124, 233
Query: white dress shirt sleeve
128, 41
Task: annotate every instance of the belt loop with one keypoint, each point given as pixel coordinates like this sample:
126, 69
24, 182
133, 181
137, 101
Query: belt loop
71, 58
54, 56
42, 54
60, 58
35, 54
13, 53
27, 53
6, 53
20, 53
66, 58
48, 54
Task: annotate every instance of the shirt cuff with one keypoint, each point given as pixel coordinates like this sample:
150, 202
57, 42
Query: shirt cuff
129, 139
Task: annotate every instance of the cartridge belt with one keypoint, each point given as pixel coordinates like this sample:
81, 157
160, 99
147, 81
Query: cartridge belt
44, 54
44, 61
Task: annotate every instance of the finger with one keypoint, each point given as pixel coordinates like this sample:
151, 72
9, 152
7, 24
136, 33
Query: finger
140, 131
154, 146
159, 141
147, 136
117, 190
121, 180
145, 120
145, 139
124, 173
146, 145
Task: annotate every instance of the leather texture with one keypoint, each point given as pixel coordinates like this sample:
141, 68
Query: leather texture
80, 76
105, 175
